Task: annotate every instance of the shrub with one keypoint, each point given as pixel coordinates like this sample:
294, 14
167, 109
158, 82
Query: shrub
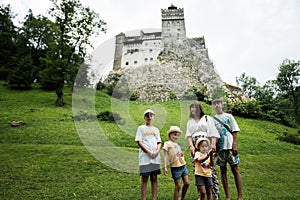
83, 116
110, 117
172, 95
248, 109
290, 138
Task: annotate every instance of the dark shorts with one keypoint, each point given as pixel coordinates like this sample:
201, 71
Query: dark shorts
202, 180
179, 172
151, 169
226, 156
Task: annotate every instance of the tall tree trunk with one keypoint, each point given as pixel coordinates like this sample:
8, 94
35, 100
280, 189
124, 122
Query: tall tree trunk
59, 92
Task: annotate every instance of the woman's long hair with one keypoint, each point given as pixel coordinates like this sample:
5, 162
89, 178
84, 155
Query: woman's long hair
199, 110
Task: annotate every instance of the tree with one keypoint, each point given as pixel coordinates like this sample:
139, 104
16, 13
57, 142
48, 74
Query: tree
288, 82
8, 36
74, 24
248, 84
37, 30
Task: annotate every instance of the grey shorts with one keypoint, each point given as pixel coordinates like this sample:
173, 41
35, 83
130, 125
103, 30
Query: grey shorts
151, 169
202, 180
226, 156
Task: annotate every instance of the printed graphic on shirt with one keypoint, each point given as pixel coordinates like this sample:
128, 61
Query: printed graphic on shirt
205, 164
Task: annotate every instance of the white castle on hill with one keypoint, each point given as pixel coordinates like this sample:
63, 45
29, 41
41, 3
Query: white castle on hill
143, 49
156, 66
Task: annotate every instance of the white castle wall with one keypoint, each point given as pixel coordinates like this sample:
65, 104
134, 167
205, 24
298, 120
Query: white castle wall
141, 52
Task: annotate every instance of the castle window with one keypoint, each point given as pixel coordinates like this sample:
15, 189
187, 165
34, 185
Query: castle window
151, 59
127, 63
146, 59
178, 29
150, 50
135, 62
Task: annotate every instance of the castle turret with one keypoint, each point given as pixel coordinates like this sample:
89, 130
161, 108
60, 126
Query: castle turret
173, 26
120, 39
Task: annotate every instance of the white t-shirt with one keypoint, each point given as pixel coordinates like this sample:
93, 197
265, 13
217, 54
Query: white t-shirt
226, 136
202, 127
150, 136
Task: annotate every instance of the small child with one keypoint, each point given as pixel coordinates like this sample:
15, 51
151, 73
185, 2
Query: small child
203, 161
149, 141
176, 161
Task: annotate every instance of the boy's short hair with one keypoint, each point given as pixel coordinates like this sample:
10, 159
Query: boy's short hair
216, 101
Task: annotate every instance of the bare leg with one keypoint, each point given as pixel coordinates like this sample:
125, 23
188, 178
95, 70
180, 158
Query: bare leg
238, 180
209, 193
202, 191
224, 181
177, 189
144, 182
154, 186
185, 187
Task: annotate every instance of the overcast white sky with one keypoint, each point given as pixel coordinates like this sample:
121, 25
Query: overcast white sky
251, 36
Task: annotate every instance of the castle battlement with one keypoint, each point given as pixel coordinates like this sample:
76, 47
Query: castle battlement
172, 13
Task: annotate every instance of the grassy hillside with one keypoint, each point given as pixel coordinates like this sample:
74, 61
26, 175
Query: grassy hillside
51, 157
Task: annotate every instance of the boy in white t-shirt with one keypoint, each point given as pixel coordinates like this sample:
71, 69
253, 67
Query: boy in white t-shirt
228, 152
149, 141
177, 163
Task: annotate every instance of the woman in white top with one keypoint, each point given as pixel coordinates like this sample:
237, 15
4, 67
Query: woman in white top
201, 125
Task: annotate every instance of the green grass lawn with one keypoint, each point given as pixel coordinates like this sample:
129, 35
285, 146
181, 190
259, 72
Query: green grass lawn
51, 157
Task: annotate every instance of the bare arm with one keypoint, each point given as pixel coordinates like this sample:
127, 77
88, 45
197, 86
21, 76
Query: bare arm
211, 156
213, 144
234, 144
202, 157
192, 148
152, 154
165, 163
142, 146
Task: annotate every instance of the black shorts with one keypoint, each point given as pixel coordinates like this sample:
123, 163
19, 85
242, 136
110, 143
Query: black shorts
202, 180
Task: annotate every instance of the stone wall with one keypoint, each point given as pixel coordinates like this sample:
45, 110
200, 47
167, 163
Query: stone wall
178, 68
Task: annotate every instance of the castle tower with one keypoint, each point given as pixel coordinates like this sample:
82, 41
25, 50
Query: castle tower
173, 26
120, 39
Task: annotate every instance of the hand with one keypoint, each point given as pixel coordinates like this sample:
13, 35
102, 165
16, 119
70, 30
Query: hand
210, 151
192, 149
166, 172
153, 154
213, 147
234, 149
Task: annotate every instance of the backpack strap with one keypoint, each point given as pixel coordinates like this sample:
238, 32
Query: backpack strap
223, 124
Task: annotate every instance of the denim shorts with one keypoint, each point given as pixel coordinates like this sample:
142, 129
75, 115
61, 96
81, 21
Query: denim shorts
179, 172
226, 156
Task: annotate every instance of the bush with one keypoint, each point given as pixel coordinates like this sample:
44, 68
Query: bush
83, 116
172, 96
290, 138
248, 109
110, 117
